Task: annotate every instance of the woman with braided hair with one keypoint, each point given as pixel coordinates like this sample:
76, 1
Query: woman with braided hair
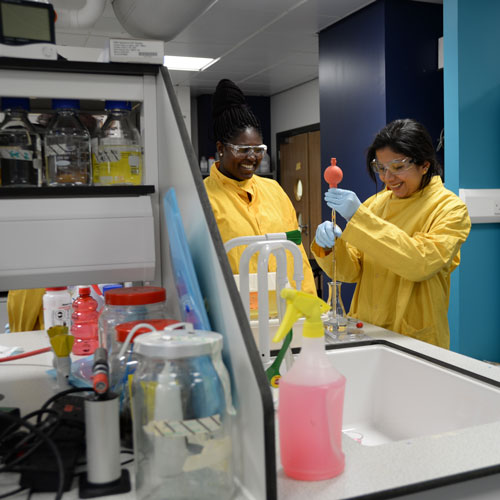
243, 203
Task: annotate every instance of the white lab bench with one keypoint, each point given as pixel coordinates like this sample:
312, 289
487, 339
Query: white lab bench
461, 464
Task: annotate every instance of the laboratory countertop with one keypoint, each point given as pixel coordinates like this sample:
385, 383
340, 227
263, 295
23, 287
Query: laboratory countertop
383, 471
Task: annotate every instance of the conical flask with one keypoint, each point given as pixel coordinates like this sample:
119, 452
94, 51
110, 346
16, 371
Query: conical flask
336, 322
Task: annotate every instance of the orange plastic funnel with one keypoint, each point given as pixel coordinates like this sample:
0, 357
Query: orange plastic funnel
333, 173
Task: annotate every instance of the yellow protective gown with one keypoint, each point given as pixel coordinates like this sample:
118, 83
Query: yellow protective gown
401, 252
255, 206
25, 309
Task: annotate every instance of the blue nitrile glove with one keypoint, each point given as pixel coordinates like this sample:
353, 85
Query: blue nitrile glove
325, 234
343, 201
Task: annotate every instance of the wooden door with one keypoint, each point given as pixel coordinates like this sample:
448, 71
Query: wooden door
300, 177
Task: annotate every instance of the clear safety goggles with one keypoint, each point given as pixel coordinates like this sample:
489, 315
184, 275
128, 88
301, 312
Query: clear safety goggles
395, 167
242, 150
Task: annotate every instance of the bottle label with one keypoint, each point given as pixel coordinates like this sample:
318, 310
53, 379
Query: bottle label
59, 316
16, 153
117, 165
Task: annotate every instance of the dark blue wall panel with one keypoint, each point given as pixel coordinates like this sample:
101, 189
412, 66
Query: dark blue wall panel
352, 101
376, 65
414, 85
352, 94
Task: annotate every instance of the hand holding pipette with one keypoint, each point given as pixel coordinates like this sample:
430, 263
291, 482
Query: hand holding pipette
333, 175
326, 234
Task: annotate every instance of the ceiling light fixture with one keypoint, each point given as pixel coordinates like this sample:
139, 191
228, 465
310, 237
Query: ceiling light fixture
177, 63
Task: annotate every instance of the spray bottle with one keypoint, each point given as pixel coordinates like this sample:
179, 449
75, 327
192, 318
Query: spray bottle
311, 397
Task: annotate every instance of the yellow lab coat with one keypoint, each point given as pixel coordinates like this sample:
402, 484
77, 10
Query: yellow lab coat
25, 309
401, 252
251, 207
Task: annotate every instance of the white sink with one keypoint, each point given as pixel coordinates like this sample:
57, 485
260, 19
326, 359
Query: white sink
392, 395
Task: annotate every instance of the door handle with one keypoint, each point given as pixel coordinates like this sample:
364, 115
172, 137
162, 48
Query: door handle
303, 228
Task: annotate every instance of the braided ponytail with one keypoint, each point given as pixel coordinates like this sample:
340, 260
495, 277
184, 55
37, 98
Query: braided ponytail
231, 114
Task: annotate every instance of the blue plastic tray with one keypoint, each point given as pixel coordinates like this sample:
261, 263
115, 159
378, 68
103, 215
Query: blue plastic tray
191, 301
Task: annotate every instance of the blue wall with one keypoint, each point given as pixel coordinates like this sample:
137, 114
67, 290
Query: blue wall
352, 101
376, 65
472, 151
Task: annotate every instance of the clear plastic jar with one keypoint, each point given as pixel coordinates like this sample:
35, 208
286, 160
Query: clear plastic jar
20, 146
124, 366
182, 411
117, 149
128, 304
67, 146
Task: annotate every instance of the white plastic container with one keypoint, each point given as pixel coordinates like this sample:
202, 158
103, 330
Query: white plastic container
57, 307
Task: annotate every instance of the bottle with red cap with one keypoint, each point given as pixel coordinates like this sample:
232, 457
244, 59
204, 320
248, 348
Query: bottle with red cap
85, 323
128, 304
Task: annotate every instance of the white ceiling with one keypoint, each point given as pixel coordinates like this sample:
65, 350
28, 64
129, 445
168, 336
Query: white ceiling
265, 46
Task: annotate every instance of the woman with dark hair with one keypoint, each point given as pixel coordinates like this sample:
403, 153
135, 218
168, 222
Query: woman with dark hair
401, 245
243, 203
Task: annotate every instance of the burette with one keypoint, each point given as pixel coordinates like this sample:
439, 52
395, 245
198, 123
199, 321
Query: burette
333, 175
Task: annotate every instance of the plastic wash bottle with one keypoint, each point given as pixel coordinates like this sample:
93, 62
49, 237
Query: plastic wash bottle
311, 397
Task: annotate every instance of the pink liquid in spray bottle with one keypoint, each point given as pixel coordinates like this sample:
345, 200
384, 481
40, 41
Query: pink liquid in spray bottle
311, 397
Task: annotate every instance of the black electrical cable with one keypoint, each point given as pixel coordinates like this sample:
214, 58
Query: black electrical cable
50, 443
44, 427
13, 492
7, 432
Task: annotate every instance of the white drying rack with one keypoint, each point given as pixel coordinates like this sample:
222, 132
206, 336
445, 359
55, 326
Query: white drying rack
265, 245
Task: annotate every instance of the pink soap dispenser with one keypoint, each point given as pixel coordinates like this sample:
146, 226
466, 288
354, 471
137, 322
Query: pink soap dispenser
311, 397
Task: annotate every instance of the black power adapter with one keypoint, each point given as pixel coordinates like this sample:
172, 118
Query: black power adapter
40, 472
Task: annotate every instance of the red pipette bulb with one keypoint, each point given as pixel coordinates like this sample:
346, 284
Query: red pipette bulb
333, 173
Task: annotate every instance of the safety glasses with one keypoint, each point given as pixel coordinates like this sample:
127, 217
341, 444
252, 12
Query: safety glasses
242, 150
395, 167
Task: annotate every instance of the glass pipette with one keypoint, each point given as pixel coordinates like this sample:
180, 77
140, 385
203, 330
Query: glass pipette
333, 175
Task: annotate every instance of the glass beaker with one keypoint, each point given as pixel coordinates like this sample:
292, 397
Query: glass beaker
336, 322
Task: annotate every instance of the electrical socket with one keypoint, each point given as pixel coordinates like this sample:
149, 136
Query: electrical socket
496, 207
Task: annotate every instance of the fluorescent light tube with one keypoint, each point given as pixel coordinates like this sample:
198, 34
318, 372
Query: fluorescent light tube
188, 63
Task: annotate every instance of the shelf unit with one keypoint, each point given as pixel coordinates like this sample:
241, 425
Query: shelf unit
169, 162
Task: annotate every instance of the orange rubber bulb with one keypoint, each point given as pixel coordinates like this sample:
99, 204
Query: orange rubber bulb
333, 173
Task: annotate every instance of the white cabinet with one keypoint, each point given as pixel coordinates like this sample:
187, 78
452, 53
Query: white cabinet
124, 237
66, 236
76, 240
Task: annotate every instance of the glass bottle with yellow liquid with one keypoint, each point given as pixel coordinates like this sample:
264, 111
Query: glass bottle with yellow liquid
117, 155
